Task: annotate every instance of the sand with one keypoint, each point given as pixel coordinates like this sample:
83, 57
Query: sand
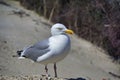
20, 28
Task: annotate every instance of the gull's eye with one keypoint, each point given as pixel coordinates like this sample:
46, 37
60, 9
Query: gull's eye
60, 28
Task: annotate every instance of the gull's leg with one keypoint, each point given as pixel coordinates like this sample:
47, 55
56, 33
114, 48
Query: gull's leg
46, 70
47, 75
55, 69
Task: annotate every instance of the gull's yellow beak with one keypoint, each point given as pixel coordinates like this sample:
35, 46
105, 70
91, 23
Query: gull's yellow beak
68, 31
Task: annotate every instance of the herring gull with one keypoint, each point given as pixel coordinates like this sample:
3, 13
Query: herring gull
50, 50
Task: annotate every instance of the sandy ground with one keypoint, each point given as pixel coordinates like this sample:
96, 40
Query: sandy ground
21, 30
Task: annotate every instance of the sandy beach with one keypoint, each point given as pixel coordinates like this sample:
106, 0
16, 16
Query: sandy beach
19, 30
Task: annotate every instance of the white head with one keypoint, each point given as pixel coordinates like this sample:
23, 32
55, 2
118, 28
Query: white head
58, 29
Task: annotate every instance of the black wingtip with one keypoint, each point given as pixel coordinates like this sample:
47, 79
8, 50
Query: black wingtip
19, 52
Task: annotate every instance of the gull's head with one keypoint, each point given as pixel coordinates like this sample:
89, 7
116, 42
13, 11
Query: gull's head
58, 29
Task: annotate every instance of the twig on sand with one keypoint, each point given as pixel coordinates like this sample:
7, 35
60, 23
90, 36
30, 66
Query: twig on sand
115, 75
4, 3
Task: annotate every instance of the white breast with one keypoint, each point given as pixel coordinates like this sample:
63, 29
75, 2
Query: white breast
58, 43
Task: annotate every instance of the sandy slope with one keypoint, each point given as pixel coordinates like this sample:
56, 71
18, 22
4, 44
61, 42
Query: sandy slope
16, 32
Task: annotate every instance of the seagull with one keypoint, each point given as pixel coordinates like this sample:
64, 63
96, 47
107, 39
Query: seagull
50, 50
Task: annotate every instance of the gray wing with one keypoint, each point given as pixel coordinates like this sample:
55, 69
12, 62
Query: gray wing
37, 50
